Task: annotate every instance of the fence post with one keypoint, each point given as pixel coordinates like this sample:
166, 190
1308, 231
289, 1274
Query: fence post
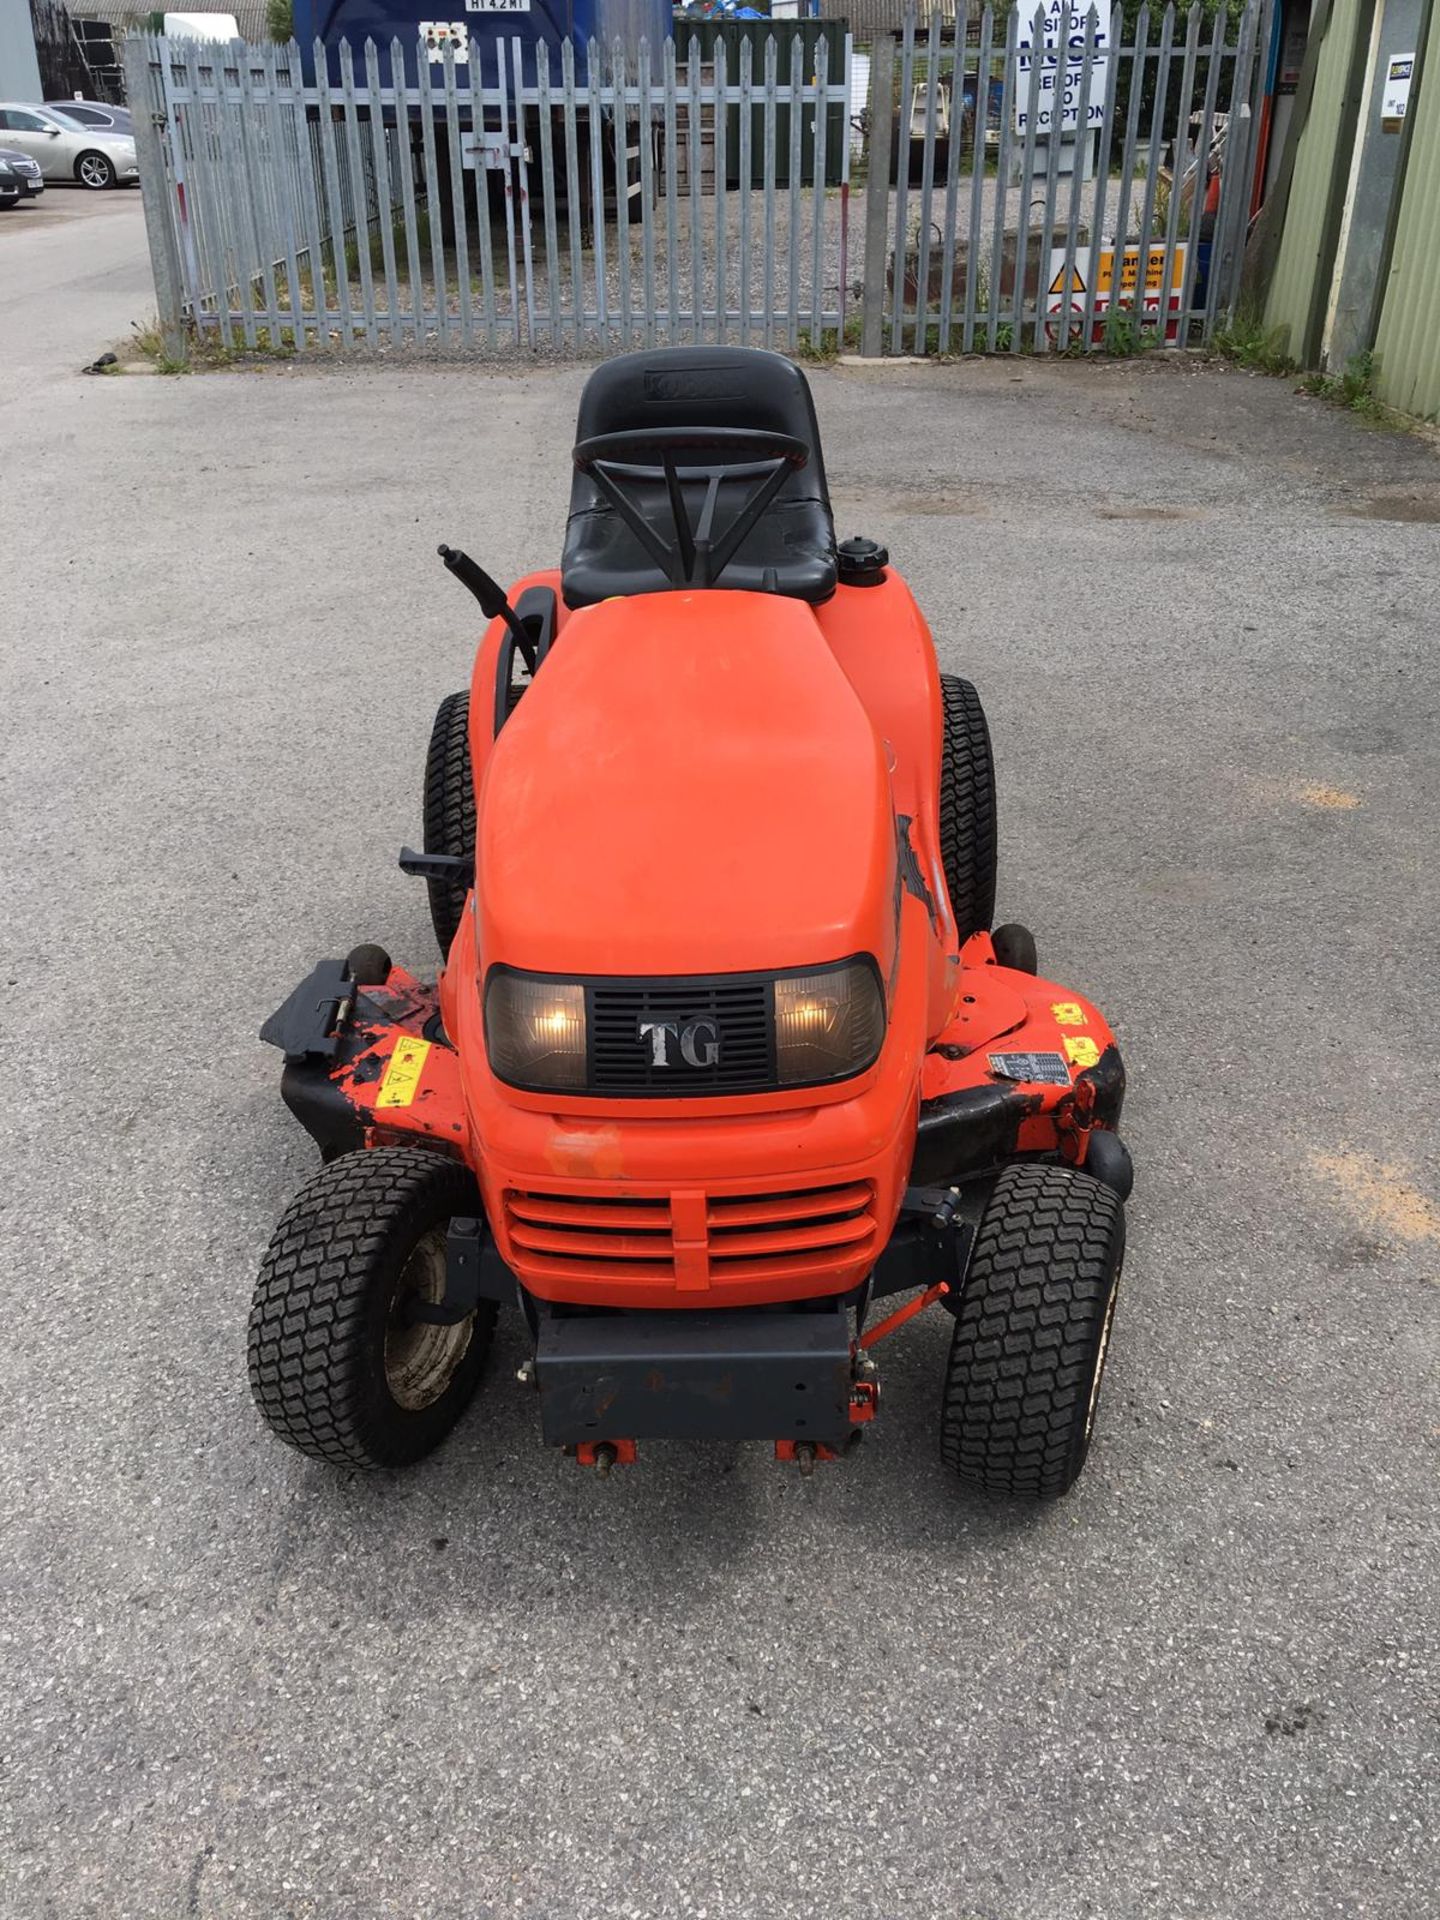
877, 195
155, 191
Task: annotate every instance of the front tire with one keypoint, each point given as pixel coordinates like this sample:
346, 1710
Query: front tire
93, 170
449, 809
1028, 1353
338, 1367
967, 808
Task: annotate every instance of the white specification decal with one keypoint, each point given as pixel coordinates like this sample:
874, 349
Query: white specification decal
446, 36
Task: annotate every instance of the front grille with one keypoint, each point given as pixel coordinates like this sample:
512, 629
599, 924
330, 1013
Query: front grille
748, 1233
689, 1239
689, 1020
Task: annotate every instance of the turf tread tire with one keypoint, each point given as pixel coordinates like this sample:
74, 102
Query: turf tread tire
967, 807
449, 809
1015, 1413
316, 1336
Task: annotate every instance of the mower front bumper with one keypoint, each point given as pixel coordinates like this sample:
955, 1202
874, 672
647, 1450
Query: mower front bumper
731, 1375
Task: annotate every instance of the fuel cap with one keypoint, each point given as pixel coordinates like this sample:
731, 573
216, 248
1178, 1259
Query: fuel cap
862, 562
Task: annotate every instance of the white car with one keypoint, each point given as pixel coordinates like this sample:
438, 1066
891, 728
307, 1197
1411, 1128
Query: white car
94, 113
91, 156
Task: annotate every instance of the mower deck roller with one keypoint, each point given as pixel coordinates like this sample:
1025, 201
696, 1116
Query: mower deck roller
725, 1075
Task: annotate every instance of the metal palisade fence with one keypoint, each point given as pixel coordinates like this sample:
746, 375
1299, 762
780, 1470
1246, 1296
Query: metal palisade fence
1048, 181
390, 199
1041, 182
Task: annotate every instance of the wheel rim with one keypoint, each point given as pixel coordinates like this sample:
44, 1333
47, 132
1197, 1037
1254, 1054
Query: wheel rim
94, 171
1100, 1353
420, 1359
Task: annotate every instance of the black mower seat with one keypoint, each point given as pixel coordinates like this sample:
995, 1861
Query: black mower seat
791, 548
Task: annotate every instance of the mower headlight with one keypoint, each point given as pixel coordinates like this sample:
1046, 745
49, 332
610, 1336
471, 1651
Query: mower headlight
828, 1024
535, 1030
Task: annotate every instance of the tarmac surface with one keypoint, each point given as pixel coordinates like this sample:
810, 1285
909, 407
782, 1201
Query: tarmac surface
1202, 614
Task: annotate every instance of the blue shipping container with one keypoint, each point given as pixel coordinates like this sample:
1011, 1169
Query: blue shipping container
477, 31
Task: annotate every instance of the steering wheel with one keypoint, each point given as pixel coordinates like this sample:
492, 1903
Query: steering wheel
659, 446
698, 555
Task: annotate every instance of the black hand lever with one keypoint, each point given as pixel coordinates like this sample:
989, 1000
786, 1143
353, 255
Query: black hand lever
491, 596
453, 869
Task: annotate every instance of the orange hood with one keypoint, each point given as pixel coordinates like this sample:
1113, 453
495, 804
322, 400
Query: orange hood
690, 786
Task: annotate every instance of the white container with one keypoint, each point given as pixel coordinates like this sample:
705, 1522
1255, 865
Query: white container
202, 26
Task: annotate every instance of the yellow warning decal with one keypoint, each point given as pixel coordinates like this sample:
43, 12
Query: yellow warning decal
1069, 1013
1082, 1050
402, 1076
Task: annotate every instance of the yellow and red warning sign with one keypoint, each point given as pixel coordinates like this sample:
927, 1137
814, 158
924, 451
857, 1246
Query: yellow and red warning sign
1102, 267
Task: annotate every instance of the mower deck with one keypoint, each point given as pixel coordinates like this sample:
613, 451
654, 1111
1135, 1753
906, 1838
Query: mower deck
364, 1064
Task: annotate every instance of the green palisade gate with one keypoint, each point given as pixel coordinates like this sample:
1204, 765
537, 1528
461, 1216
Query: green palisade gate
1293, 289
1407, 348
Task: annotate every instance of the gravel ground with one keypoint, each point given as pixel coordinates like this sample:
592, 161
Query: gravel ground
1202, 615
782, 264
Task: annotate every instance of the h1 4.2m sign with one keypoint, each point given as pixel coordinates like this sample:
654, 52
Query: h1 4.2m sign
1063, 102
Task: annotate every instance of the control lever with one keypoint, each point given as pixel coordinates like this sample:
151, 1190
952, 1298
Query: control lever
491, 596
453, 869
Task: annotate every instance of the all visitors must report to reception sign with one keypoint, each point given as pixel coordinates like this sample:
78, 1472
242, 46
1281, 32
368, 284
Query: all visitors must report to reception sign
1059, 105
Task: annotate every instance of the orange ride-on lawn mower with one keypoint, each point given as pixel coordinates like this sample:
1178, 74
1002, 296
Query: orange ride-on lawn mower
724, 1056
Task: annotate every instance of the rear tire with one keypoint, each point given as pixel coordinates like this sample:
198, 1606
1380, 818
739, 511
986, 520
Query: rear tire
1026, 1359
967, 808
449, 809
95, 171
337, 1368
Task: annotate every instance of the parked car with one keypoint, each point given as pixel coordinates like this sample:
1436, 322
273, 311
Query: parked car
27, 171
11, 192
92, 156
95, 113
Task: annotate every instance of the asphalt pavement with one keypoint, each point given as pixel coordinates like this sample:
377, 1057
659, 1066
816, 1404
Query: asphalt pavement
1201, 613
74, 272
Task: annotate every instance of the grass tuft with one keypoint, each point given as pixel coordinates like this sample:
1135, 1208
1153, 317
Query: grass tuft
1248, 343
819, 350
1126, 334
1354, 388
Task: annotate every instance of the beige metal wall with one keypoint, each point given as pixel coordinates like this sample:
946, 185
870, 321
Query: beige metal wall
1407, 347
1407, 342
1293, 288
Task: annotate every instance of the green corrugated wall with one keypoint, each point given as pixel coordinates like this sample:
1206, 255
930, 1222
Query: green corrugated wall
1407, 347
1292, 289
